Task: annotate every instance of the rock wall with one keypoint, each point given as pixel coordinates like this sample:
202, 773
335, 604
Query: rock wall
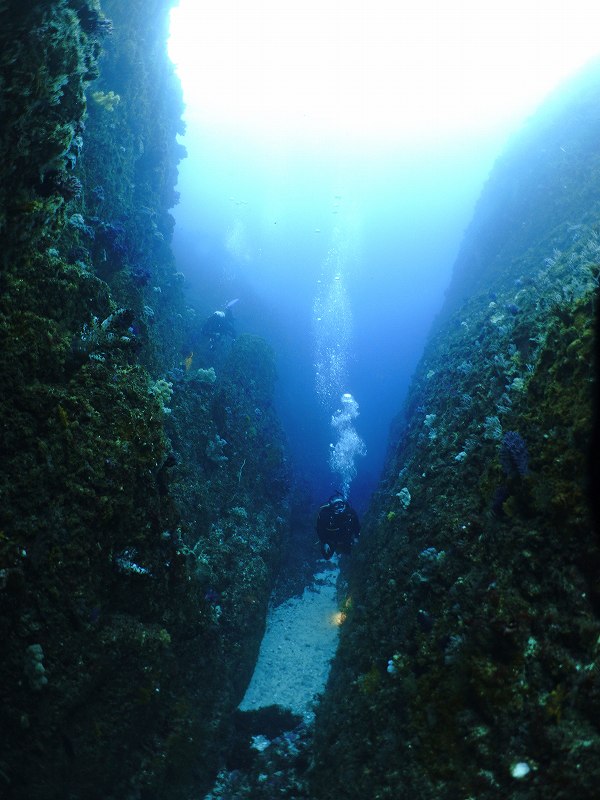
144, 487
469, 662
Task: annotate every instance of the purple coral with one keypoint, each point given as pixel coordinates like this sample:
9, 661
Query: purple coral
514, 457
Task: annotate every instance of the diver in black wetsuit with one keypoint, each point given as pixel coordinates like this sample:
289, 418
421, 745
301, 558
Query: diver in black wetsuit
338, 527
219, 324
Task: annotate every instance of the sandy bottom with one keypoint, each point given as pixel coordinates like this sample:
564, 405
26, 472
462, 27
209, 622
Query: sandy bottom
297, 648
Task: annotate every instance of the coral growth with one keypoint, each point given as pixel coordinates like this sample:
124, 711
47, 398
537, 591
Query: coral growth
486, 592
132, 587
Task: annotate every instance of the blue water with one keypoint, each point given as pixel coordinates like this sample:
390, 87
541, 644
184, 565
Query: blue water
339, 257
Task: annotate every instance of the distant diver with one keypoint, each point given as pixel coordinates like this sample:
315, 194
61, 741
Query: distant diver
338, 527
220, 324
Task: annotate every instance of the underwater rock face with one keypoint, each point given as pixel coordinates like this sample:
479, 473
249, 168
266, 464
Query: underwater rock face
469, 663
134, 569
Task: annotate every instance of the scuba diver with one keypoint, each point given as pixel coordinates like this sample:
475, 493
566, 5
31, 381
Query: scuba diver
337, 526
219, 324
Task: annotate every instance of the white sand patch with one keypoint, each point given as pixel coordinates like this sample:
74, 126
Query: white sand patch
297, 648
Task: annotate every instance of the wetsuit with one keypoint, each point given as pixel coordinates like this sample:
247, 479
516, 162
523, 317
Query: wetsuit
217, 325
337, 528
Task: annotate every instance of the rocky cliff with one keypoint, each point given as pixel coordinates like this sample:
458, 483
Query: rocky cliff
469, 661
144, 486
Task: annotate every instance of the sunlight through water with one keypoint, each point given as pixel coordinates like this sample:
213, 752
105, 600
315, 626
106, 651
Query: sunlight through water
383, 69
336, 151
